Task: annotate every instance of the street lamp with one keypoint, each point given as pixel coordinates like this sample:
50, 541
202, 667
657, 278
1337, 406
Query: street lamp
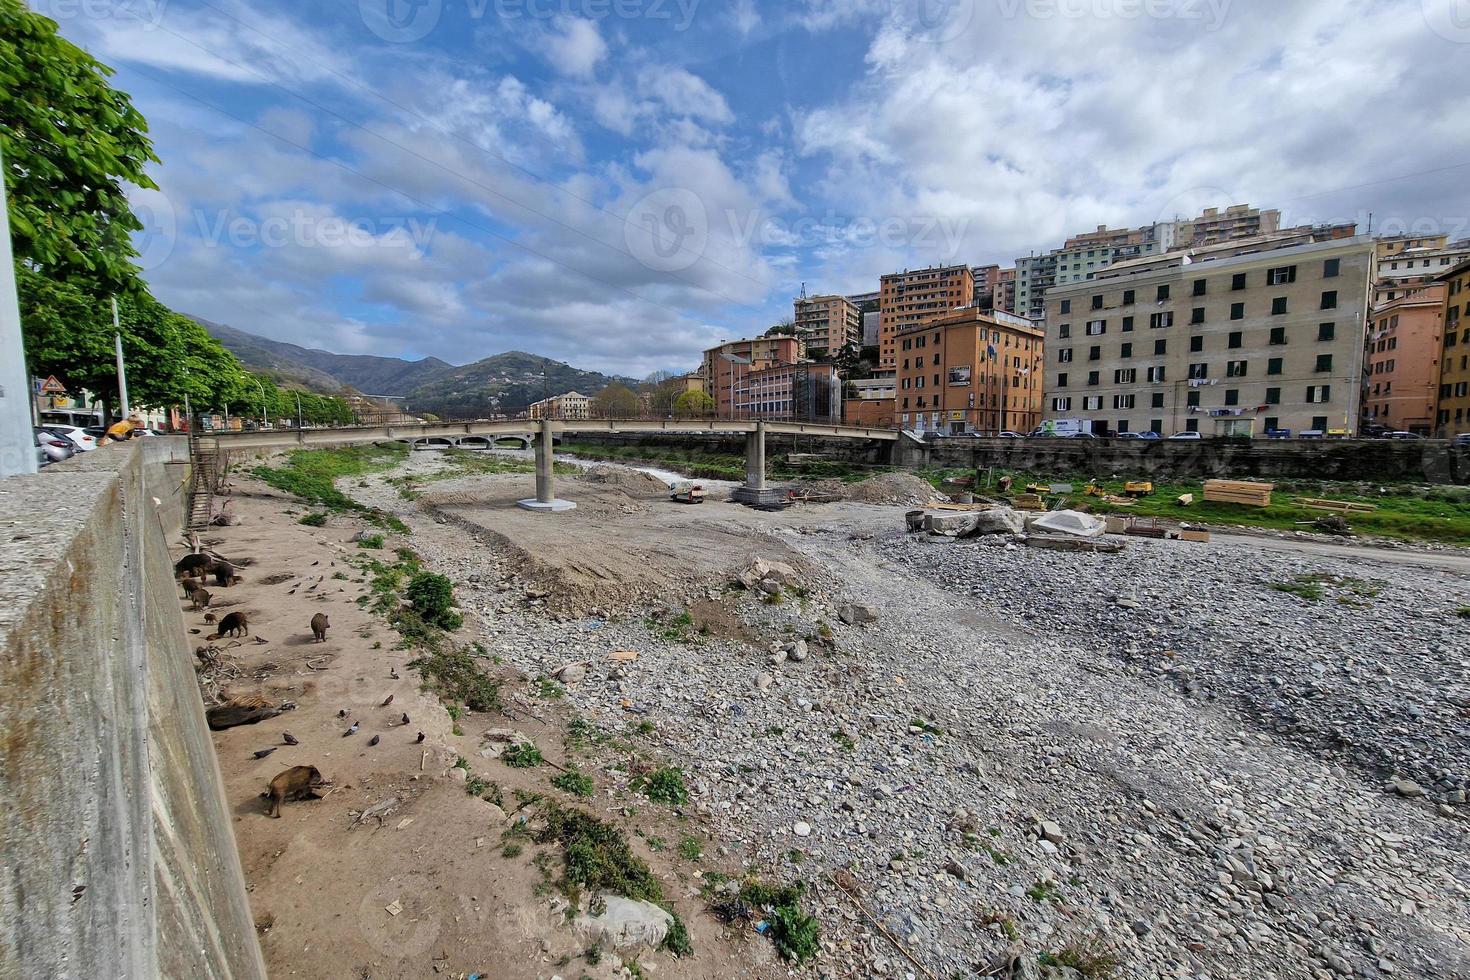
735, 359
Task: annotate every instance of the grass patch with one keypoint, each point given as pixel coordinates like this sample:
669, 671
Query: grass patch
549, 689
316, 518
597, 857
574, 782
664, 785
1043, 891
1313, 587
522, 756
371, 542
456, 677
310, 474
1092, 958
795, 933
512, 849
1463, 612
691, 848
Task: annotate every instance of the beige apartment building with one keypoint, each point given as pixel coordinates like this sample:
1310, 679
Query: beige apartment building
827, 324
572, 405
1243, 338
970, 371
1004, 294
1404, 269
913, 296
1404, 347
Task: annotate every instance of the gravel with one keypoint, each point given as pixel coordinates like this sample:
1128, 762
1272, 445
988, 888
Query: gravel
1208, 776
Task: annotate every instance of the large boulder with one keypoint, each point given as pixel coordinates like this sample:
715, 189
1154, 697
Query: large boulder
952, 525
626, 924
854, 614
762, 570
999, 520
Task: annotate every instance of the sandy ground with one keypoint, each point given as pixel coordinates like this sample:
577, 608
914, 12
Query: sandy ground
320, 880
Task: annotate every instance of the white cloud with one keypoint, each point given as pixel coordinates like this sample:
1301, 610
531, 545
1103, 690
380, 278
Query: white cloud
574, 46
684, 93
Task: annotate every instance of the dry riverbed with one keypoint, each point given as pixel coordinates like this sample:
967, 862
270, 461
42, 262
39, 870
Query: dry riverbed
1031, 764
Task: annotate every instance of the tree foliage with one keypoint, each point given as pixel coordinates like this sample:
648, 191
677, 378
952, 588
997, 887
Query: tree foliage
70, 143
693, 403
615, 402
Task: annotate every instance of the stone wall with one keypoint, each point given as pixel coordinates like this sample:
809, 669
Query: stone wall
1358, 459
847, 450
116, 843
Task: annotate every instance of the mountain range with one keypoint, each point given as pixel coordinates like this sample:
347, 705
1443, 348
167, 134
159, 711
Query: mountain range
503, 384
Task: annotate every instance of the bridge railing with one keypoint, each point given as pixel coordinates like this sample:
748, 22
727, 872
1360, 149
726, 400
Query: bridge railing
210, 425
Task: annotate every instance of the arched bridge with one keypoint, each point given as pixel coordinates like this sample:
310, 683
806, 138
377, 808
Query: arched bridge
542, 433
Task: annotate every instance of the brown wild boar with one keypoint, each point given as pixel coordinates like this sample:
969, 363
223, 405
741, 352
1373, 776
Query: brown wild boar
200, 599
224, 574
189, 565
319, 626
296, 783
235, 624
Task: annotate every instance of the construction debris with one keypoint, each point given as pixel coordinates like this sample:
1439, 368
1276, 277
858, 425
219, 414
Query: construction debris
1239, 492
1339, 506
1070, 522
1074, 544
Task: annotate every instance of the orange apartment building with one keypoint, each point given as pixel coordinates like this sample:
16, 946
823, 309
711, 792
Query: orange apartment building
910, 297
828, 324
726, 368
970, 371
1452, 413
1404, 346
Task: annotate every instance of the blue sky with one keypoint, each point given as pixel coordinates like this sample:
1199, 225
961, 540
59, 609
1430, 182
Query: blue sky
621, 183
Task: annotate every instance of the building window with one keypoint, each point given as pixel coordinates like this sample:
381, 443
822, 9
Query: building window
1232, 396
1273, 366
1158, 320
1061, 404
1278, 306
1094, 353
1064, 331
1062, 380
1199, 287
1093, 379
1236, 339
1191, 399
1199, 371
1126, 350
1329, 300
1123, 401
1160, 347
1237, 311
1237, 281
1156, 376
1064, 355
1196, 344
1197, 315
1273, 396
1324, 363
1125, 376
1128, 324
1326, 331
1066, 306
1127, 297
1331, 268
1096, 327
1278, 335
1097, 302
1281, 275
1092, 403
1318, 394
1162, 293
1156, 400
1235, 369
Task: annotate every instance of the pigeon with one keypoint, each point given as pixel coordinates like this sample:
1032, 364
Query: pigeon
317, 562
405, 718
372, 741
290, 739
353, 730
386, 701
419, 739
344, 712
264, 752
393, 672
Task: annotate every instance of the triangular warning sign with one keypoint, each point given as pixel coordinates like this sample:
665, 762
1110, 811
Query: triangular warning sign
53, 387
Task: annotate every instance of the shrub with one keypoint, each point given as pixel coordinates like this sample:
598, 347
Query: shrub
457, 678
574, 782
522, 756
316, 519
664, 785
432, 596
371, 541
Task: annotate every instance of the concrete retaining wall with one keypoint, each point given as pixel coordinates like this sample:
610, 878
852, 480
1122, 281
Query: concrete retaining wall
848, 450
116, 844
1358, 459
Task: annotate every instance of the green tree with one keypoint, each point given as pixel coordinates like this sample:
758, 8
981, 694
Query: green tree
786, 328
70, 143
693, 403
615, 402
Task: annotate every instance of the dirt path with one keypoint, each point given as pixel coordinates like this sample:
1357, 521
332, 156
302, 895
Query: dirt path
1450, 561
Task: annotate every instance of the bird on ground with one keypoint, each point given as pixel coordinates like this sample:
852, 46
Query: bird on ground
405, 718
344, 712
264, 752
290, 739
386, 701
419, 739
353, 730
372, 741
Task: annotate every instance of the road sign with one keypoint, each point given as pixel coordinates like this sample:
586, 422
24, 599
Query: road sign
53, 387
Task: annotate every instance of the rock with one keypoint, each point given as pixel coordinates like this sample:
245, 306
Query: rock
1407, 787
950, 524
802, 829
626, 924
854, 614
458, 774
798, 651
999, 520
769, 586
1051, 831
496, 740
760, 570
955, 868
571, 673
763, 681
778, 658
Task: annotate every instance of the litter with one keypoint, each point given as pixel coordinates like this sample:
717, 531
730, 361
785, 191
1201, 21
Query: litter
623, 656
394, 909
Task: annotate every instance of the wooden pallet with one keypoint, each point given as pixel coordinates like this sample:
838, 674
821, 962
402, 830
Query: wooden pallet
1239, 492
1337, 506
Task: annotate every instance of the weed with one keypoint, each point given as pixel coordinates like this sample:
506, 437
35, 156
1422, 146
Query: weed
460, 762
1312, 587
664, 785
574, 782
1092, 958
1042, 891
690, 849
997, 855
644, 727
994, 917
512, 849
457, 678
593, 955
677, 941
582, 733
476, 786
370, 542
678, 627
795, 856
522, 756
844, 741
924, 726
795, 933
1463, 612
549, 689
339, 576
314, 519
432, 596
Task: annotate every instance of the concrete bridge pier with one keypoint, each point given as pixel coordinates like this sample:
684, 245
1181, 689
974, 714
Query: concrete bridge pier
755, 492
545, 489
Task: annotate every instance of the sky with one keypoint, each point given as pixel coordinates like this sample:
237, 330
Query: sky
620, 184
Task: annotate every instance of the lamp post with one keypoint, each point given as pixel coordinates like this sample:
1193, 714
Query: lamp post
734, 359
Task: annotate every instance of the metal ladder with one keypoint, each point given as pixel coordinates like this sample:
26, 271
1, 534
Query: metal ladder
203, 454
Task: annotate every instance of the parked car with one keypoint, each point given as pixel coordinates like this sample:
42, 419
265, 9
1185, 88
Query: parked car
1010, 435
1401, 434
1127, 435
56, 447
1082, 435
79, 437
1310, 434
1463, 439
1186, 435
1150, 434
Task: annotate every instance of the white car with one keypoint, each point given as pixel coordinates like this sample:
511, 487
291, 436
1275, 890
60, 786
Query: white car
1186, 435
74, 434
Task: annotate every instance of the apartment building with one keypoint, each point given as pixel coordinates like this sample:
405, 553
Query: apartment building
1236, 339
913, 296
1405, 341
572, 405
1452, 414
802, 391
724, 367
1236, 222
869, 401
1388, 245
970, 371
986, 278
1004, 294
1410, 266
827, 324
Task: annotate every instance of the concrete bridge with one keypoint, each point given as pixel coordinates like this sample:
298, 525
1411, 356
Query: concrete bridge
542, 434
